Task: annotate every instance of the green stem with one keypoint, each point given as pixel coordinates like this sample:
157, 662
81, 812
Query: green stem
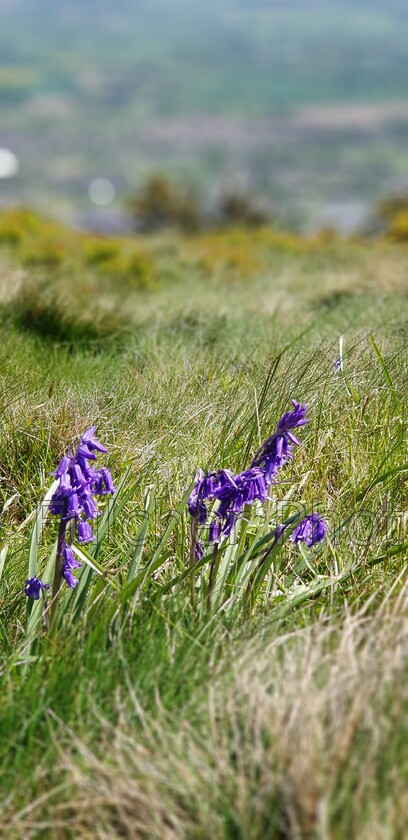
59, 560
213, 575
193, 544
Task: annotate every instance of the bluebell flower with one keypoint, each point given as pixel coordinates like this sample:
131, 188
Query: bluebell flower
207, 488
79, 483
311, 530
214, 533
278, 448
69, 577
88, 439
85, 533
33, 588
69, 564
234, 492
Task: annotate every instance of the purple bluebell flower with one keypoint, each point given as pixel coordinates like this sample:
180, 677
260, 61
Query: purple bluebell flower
86, 452
91, 441
207, 488
62, 467
234, 492
103, 483
65, 487
311, 530
69, 564
74, 499
214, 534
278, 448
337, 364
70, 561
33, 588
89, 505
74, 506
69, 577
85, 533
78, 476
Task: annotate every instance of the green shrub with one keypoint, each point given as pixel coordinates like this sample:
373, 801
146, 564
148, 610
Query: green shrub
99, 251
161, 204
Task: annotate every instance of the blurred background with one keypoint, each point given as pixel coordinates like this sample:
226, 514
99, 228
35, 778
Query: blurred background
294, 110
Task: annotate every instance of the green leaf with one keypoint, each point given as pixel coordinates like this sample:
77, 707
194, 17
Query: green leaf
141, 537
384, 368
38, 527
86, 558
3, 555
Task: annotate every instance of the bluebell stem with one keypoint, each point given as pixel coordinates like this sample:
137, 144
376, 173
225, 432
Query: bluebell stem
33, 588
311, 530
75, 504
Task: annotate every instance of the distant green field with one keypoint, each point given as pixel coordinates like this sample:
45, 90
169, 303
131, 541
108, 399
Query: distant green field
171, 58
83, 84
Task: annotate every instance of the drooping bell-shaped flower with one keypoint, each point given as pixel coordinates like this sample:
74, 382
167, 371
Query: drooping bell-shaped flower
311, 530
33, 588
85, 533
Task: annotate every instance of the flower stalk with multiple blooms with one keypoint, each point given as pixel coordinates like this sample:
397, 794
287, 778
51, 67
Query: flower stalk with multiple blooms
74, 502
232, 493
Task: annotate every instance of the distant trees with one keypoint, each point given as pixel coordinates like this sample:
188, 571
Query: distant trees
241, 209
392, 217
160, 203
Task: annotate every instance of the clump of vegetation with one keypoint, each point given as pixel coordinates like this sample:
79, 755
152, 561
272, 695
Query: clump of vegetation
161, 204
44, 252
131, 270
100, 251
392, 217
51, 310
237, 208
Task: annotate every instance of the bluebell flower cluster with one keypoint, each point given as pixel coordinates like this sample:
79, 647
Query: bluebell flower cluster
79, 483
311, 530
74, 499
234, 492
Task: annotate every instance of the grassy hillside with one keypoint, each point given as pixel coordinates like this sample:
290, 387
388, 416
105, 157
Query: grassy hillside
145, 712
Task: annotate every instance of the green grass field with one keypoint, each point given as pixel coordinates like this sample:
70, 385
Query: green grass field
144, 711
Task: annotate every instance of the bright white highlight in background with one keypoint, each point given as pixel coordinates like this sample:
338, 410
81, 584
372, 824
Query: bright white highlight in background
8, 164
101, 191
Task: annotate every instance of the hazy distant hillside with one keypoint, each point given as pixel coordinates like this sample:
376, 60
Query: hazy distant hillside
178, 55
80, 79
